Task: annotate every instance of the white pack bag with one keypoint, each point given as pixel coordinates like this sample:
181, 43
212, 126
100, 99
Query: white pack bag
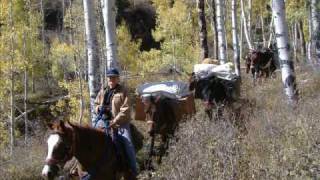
170, 89
223, 71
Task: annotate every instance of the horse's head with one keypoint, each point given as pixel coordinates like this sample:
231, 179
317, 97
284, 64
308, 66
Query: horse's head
60, 147
149, 102
159, 111
203, 88
252, 63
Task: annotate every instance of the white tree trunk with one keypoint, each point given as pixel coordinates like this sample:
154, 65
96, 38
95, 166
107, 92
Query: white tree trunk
245, 27
12, 106
271, 32
92, 53
25, 92
295, 42
262, 31
309, 44
221, 31
109, 17
315, 18
249, 17
235, 41
12, 101
241, 38
309, 57
287, 65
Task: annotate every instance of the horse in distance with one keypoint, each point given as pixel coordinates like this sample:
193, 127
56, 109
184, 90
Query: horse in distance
261, 63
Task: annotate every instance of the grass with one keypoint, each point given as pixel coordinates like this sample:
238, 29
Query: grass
267, 140
279, 142
26, 163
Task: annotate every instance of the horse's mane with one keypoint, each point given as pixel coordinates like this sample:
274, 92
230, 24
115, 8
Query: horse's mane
87, 129
90, 133
95, 140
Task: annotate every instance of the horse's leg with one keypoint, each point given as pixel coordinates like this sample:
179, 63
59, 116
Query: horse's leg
148, 162
166, 143
254, 78
163, 147
220, 112
259, 75
209, 113
129, 175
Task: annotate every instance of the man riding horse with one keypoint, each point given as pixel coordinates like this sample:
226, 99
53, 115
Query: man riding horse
100, 153
113, 104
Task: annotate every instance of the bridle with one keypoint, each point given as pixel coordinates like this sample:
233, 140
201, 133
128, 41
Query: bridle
68, 155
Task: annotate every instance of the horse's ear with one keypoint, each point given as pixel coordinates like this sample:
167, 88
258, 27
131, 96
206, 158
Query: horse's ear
61, 124
56, 125
50, 125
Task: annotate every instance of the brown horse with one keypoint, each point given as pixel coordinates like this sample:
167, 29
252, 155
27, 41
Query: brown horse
261, 63
93, 148
162, 115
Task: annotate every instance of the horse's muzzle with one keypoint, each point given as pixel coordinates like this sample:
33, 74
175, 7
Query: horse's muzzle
50, 171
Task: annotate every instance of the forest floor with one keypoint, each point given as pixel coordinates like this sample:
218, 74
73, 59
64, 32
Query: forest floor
269, 140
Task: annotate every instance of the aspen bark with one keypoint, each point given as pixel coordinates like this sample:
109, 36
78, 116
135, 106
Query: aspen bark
221, 31
235, 41
109, 17
287, 65
92, 53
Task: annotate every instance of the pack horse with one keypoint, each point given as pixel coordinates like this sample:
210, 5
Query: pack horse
215, 85
261, 63
163, 105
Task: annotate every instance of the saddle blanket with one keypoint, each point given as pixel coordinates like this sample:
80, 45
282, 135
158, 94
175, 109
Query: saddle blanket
171, 89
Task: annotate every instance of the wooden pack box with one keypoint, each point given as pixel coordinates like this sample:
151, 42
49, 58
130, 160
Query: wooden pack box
186, 107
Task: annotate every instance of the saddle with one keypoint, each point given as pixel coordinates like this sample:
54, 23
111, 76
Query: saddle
119, 147
121, 156
102, 122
